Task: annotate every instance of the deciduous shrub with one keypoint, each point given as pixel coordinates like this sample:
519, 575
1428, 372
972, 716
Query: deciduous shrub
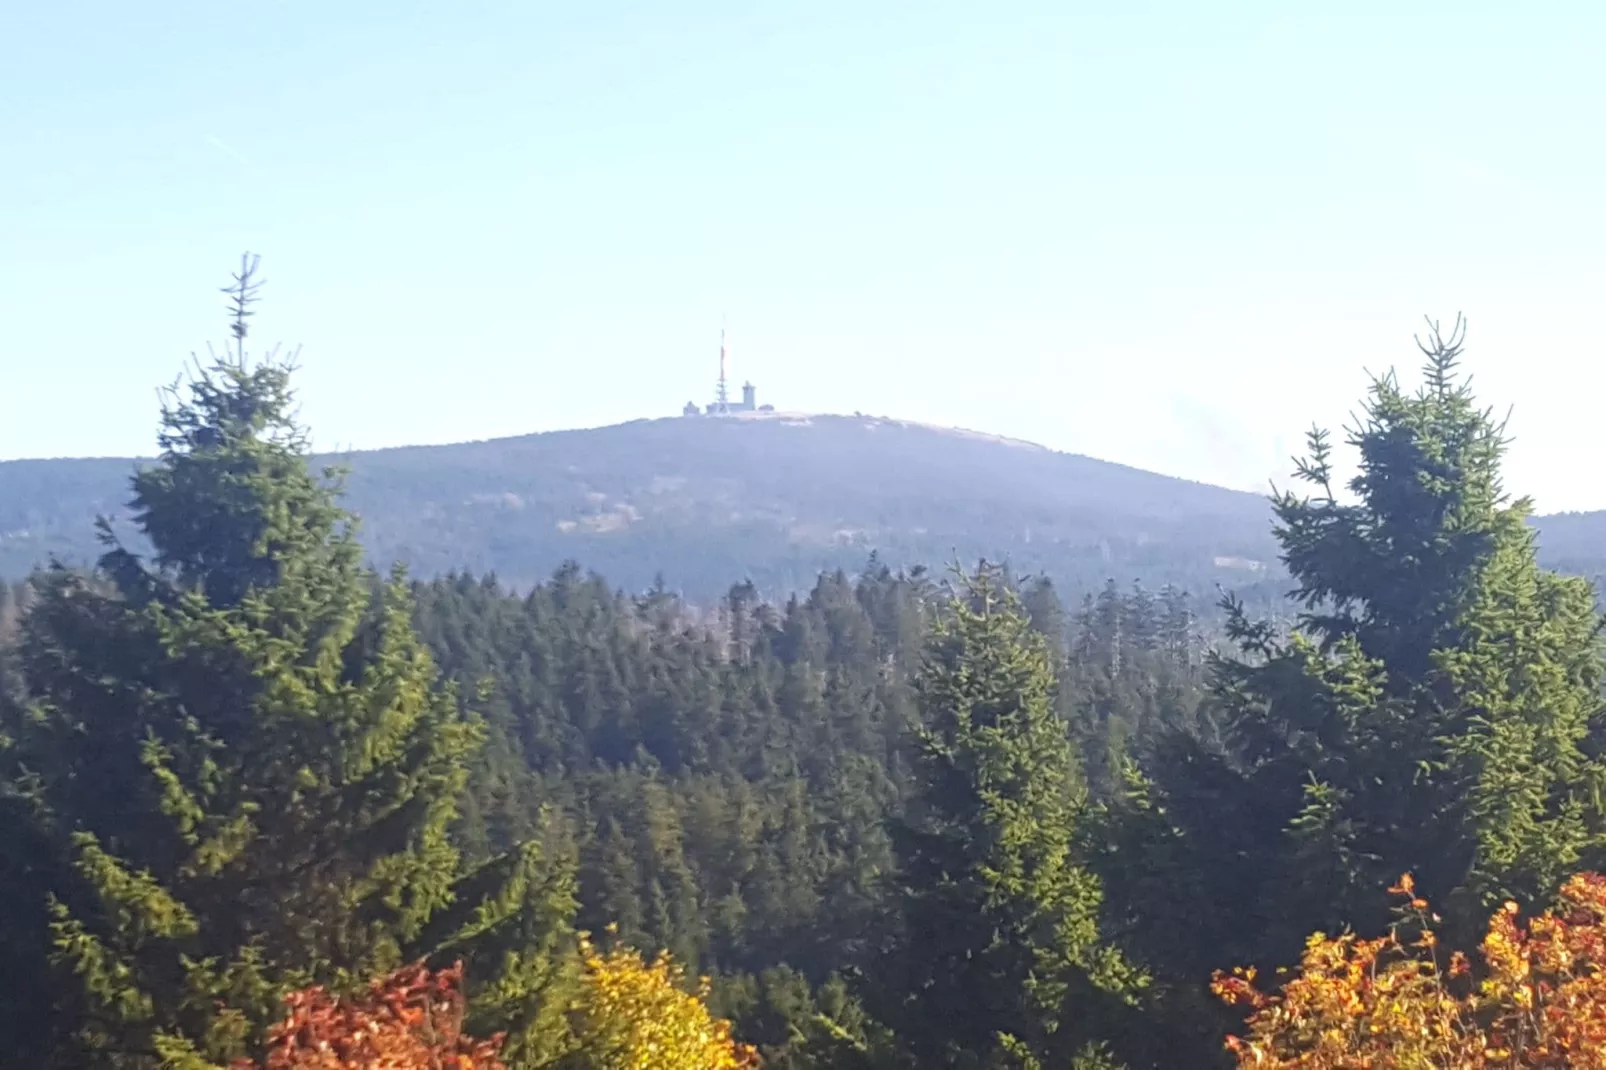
636, 1015
1535, 997
410, 1020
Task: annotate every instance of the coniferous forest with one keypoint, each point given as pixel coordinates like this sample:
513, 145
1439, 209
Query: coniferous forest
264, 806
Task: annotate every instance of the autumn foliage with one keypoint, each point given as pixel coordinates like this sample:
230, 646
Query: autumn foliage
636, 1015
410, 1020
629, 1015
1535, 999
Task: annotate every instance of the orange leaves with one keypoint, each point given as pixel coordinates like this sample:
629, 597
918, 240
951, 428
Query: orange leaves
1389, 1003
410, 1020
1406, 889
1238, 988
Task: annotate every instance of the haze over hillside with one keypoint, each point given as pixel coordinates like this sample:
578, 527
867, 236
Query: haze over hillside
772, 496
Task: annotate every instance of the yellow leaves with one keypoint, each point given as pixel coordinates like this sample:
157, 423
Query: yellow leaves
636, 1015
1387, 1003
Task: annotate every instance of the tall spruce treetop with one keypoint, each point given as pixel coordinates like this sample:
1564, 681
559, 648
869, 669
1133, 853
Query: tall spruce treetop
1438, 708
234, 507
999, 960
237, 749
1401, 569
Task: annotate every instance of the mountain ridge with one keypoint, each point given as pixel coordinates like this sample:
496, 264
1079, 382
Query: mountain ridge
775, 497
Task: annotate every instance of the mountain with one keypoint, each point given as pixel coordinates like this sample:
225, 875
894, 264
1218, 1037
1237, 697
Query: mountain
774, 497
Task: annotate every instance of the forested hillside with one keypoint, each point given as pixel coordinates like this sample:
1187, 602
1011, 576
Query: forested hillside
264, 807
772, 498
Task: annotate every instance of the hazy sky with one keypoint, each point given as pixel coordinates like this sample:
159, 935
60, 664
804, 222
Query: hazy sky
1172, 235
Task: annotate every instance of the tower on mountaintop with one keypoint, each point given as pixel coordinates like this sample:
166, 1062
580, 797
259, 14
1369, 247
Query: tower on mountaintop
721, 394
723, 405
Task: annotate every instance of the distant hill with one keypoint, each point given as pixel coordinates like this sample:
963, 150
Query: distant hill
774, 497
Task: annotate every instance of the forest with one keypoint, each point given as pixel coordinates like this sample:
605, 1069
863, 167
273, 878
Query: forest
265, 807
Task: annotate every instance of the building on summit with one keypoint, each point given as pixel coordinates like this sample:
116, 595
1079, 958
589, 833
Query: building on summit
722, 405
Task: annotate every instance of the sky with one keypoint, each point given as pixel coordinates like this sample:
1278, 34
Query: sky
1170, 235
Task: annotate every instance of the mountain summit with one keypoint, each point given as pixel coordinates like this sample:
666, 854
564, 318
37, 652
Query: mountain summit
773, 496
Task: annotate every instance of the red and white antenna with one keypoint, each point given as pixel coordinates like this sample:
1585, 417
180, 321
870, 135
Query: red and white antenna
722, 393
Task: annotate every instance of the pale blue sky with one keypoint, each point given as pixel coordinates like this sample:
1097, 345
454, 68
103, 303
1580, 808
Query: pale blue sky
1171, 235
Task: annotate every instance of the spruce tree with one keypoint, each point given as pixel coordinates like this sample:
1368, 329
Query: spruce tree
511, 924
999, 959
233, 753
1436, 709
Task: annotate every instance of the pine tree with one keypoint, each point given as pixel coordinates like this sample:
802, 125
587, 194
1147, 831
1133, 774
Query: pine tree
235, 752
1110, 622
1177, 626
512, 925
999, 949
1437, 709
1143, 620
1046, 612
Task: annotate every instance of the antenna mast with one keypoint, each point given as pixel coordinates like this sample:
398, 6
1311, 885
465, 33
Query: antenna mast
722, 392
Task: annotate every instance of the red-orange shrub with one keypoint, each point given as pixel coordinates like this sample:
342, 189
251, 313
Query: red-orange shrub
410, 1020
